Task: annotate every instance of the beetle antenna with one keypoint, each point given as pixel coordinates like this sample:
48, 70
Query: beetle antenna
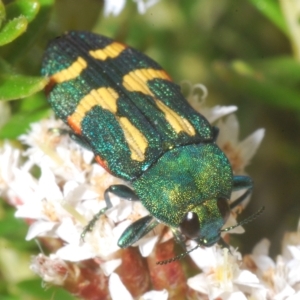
248, 220
178, 257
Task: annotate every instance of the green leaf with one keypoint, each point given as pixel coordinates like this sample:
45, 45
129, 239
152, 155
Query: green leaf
251, 82
12, 29
2, 13
34, 289
18, 86
12, 128
25, 8
16, 51
283, 70
271, 9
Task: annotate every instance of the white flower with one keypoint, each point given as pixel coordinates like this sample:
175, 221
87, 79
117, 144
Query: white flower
238, 153
56, 150
51, 269
281, 278
221, 277
60, 207
196, 96
114, 7
119, 291
9, 163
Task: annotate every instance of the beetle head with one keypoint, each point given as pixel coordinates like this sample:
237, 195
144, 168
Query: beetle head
204, 222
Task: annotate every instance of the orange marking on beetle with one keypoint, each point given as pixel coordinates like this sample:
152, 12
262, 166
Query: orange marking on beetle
50, 86
102, 163
74, 125
104, 97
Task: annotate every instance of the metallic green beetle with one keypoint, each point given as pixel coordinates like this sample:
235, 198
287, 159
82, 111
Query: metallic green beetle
126, 109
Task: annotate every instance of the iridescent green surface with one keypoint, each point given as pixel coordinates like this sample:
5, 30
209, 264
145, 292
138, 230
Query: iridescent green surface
100, 128
189, 178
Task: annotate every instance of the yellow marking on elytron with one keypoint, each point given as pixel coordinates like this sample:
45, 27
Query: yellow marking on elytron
136, 81
177, 122
136, 141
105, 97
112, 50
73, 71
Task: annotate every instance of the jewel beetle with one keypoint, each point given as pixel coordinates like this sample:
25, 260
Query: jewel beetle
125, 108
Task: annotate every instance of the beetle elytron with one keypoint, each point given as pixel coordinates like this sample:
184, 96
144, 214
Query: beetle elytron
125, 108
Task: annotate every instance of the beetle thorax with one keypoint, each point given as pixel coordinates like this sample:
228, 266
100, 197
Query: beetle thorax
182, 179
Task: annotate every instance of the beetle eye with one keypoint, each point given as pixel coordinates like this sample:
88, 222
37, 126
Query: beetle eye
190, 225
224, 208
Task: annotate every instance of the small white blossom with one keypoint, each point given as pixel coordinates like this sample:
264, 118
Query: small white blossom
114, 7
119, 291
70, 190
196, 96
221, 275
238, 153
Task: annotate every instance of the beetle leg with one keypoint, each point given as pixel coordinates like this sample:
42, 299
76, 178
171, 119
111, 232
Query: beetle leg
239, 183
136, 231
120, 190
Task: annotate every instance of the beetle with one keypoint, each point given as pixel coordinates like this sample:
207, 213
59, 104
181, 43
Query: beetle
125, 108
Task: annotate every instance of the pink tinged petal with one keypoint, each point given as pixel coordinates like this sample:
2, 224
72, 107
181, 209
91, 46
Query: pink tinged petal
249, 146
147, 245
117, 289
41, 228
110, 266
50, 269
155, 295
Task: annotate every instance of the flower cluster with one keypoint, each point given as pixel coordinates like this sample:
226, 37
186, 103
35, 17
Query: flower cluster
60, 201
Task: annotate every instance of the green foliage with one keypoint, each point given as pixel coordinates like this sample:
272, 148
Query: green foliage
245, 52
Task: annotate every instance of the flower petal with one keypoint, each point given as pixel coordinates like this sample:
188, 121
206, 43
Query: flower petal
117, 288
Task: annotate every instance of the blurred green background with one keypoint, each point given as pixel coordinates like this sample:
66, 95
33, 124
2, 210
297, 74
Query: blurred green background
247, 54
